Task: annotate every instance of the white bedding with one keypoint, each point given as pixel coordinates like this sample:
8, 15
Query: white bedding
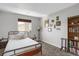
14, 44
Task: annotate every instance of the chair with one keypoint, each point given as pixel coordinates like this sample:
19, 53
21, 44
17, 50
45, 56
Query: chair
63, 44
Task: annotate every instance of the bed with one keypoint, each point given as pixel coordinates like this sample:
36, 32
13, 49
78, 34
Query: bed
21, 47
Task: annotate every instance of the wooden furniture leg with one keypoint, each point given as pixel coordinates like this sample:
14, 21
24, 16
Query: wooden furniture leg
61, 44
76, 48
68, 49
65, 45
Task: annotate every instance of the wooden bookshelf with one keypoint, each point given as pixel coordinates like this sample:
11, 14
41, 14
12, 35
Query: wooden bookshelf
73, 31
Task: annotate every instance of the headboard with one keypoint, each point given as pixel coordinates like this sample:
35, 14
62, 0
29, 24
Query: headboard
17, 32
13, 32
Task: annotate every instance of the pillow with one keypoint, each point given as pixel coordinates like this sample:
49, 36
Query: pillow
26, 35
11, 37
16, 37
19, 37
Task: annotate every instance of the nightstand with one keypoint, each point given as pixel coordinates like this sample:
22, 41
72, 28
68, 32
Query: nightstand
3, 43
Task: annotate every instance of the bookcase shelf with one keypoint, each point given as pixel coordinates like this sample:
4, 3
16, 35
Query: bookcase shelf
73, 32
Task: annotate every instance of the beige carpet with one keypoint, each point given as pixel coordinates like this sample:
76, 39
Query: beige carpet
49, 50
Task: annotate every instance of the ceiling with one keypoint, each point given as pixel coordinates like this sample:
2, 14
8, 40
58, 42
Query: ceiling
34, 9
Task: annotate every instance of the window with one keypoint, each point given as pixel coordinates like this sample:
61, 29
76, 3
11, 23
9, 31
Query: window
24, 25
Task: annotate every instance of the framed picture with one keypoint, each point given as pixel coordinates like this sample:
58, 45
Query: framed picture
58, 23
46, 23
54, 26
52, 23
57, 18
49, 29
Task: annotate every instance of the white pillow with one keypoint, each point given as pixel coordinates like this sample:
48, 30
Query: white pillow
26, 35
20, 35
11, 37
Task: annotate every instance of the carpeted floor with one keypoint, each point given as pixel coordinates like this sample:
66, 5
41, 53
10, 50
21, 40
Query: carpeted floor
49, 50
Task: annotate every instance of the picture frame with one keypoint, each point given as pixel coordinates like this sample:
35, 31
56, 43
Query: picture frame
46, 23
49, 29
58, 23
57, 17
52, 23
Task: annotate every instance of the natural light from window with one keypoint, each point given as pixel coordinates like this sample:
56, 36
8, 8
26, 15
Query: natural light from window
24, 26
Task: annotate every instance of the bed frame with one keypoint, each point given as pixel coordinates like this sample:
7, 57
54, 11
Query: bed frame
35, 50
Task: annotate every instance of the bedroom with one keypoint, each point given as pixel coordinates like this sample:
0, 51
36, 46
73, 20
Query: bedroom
13, 13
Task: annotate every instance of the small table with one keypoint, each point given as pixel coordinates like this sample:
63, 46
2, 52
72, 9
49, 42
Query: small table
64, 42
3, 43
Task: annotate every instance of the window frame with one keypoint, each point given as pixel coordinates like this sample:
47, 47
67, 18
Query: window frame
26, 21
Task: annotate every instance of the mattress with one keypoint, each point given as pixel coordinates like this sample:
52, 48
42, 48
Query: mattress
15, 44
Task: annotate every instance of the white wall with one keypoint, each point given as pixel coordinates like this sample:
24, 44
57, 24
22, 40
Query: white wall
8, 22
54, 37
